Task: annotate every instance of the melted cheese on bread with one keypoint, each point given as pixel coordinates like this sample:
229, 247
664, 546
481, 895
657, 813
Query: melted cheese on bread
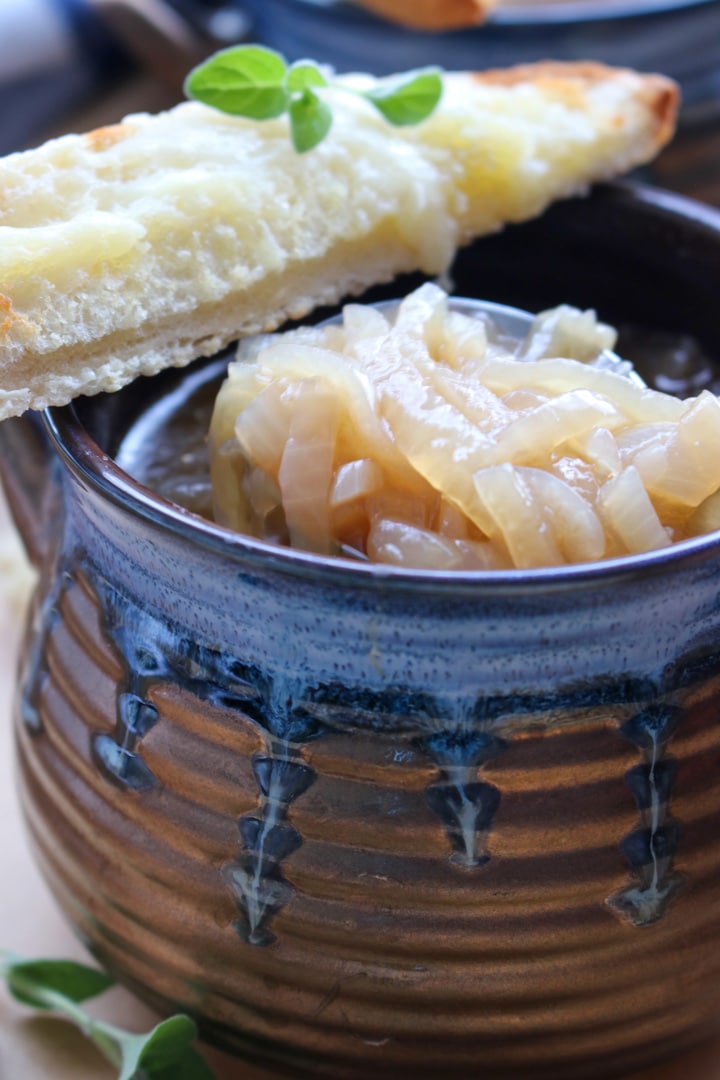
143, 245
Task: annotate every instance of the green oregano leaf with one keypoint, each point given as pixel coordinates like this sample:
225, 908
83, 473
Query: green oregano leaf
245, 80
252, 81
165, 1045
191, 1065
165, 1053
303, 75
408, 99
36, 982
310, 120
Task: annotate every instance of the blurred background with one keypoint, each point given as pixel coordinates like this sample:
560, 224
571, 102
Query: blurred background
75, 64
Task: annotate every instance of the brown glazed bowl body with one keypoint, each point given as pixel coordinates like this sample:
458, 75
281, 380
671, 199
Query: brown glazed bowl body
361, 821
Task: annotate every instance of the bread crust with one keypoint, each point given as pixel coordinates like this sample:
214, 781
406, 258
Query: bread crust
660, 95
145, 244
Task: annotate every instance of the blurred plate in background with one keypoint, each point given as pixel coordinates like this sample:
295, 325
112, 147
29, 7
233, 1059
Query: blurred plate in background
680, 38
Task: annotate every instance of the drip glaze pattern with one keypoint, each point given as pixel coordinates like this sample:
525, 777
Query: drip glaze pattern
274, 850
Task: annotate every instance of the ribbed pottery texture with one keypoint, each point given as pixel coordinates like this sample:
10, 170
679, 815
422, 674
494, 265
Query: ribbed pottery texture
372, 823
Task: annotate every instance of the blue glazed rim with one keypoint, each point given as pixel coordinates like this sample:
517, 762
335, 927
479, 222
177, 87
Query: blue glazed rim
96, 470
86, 460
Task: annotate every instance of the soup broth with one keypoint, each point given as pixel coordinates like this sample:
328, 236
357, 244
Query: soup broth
404, 521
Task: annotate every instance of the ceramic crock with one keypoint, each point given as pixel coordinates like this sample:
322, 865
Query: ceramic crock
363, 821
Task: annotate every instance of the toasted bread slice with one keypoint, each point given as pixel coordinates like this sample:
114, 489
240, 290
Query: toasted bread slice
445, 14
143, 245
432, 14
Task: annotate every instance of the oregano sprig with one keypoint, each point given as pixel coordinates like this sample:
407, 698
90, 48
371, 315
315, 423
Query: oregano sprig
258, 83
61, 986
